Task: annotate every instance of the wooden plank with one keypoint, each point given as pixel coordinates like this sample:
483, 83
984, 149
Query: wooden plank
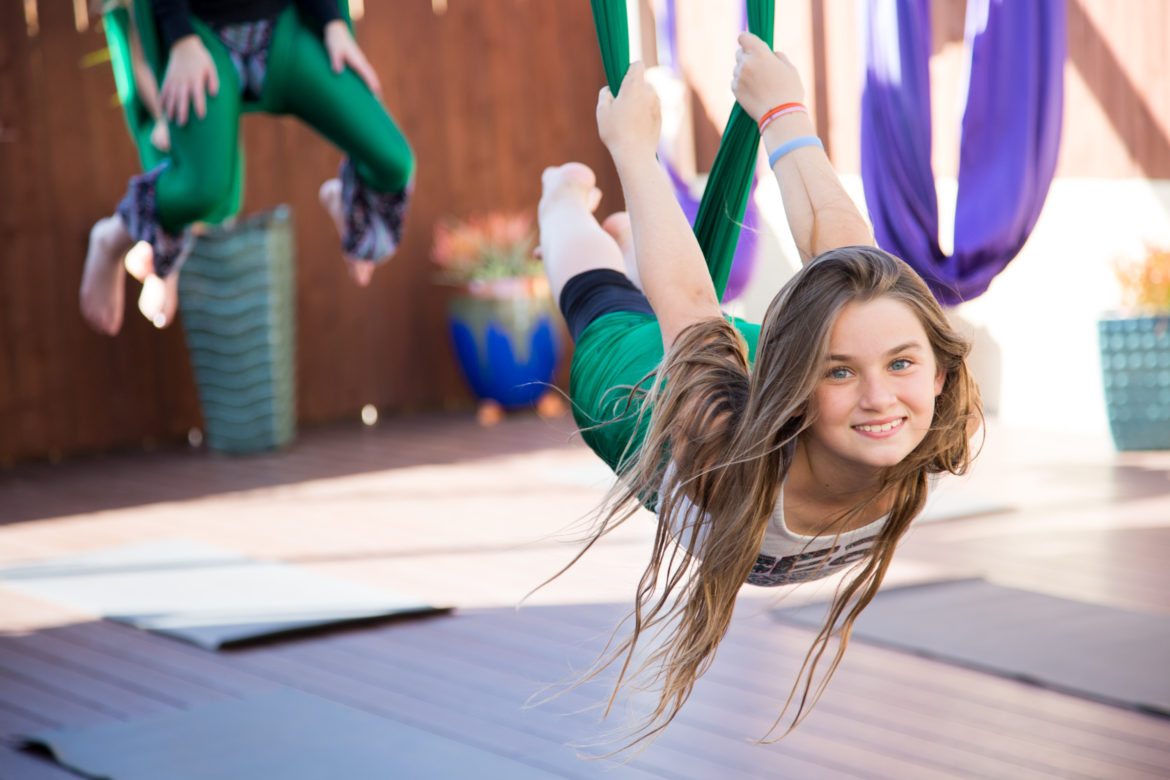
213, 672
111, 667
63, 680
16, 720
47, 703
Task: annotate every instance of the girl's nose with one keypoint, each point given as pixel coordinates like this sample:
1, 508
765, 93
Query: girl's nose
876, 392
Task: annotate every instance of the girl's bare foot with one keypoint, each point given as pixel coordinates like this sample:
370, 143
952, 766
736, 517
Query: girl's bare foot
361, 271
618, 226
572, 182
571, 240
102, 294
159, 299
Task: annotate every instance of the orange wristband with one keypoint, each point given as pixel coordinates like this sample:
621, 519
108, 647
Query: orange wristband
780, 110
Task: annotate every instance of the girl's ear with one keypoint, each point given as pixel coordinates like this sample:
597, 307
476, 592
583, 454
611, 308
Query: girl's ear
940, 379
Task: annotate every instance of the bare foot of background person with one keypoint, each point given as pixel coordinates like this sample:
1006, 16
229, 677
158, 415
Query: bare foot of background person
102, 294
139, 260
159, 299
361, 271
618, 226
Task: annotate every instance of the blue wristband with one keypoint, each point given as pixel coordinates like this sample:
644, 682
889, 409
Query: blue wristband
795, 143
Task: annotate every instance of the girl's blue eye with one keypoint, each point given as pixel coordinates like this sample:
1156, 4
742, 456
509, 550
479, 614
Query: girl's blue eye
838, 373
900, 364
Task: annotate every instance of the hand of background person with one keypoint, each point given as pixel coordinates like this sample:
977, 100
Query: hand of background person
343, 50
189, 79
763, 79
632, 122
160, 136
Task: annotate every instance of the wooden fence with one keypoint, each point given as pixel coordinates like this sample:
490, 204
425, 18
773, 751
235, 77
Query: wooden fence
489, 92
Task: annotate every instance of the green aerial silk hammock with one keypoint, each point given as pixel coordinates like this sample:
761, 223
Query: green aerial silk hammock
116, 18
729, 184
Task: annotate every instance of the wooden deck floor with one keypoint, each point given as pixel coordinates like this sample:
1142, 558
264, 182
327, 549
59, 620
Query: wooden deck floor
473, 518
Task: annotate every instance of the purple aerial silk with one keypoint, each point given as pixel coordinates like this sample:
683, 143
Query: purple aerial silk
1008, 146
743, 264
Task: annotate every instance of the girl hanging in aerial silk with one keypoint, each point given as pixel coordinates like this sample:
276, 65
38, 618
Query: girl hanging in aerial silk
773, 453
281, 57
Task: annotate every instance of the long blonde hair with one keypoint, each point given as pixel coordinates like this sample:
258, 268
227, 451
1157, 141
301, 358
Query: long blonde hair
730, 430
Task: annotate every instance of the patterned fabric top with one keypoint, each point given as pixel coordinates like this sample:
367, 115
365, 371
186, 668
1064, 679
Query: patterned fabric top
785, 558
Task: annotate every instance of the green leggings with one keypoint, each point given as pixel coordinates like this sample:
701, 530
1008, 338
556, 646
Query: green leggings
614, 353
300, 82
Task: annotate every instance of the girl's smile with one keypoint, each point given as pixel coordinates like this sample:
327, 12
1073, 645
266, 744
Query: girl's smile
880, 429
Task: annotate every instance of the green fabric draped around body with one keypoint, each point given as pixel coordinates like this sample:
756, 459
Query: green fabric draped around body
725, 199
617, 351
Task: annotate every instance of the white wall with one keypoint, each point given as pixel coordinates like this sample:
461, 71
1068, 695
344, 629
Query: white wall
1035, 329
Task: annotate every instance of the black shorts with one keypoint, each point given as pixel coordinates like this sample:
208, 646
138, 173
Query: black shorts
590, 294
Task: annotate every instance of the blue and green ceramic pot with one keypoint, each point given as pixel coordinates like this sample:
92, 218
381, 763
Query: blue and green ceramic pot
506, 337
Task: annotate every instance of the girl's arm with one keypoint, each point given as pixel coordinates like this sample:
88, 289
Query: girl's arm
670, 262
821, 215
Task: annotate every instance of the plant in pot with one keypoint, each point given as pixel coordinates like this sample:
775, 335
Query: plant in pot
1135, 354
503, 324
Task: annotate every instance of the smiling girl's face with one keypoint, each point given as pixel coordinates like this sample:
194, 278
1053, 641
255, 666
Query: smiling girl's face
875, 400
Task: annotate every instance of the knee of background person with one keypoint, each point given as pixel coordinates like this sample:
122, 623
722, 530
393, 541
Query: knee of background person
198, 197
388, 168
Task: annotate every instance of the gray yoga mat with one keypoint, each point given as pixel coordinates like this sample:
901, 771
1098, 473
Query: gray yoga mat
210, 597
1113, 655
282, 733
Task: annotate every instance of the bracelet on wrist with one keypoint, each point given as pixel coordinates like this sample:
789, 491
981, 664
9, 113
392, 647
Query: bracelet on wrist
780, 110
795, 143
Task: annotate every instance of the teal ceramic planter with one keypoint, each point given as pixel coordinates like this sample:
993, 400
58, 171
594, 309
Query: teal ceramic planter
1135, 370
237, 303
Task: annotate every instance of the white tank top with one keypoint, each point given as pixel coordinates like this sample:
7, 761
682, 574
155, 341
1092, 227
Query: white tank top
784, 557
